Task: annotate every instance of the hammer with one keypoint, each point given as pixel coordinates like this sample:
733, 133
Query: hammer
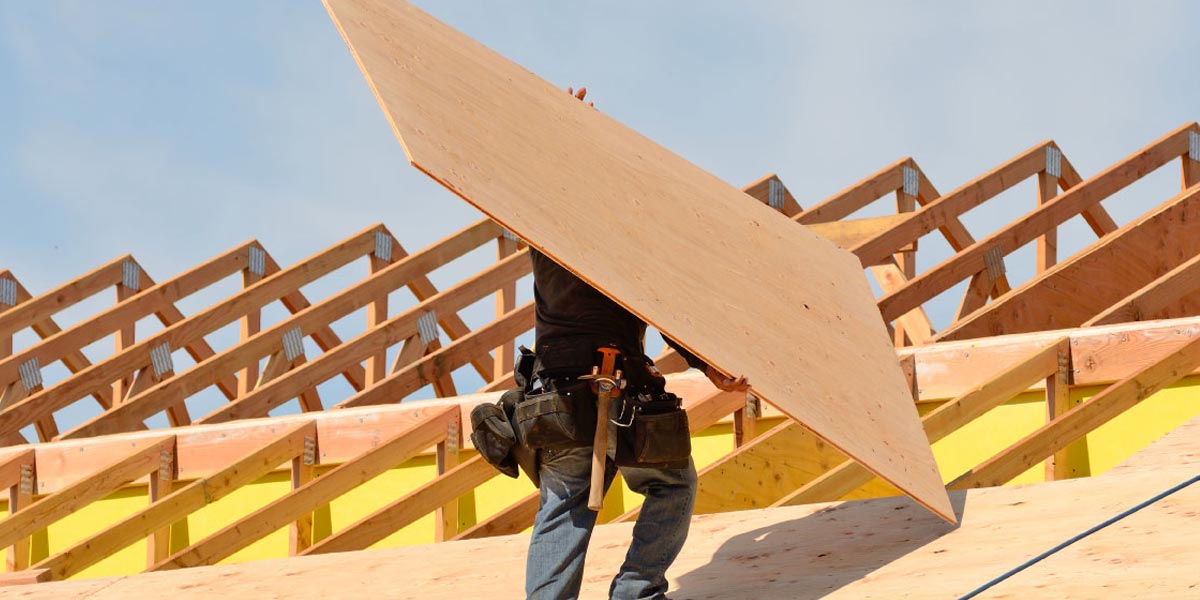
607, 383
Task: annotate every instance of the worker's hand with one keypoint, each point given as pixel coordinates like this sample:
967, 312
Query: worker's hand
580, 95
725, 382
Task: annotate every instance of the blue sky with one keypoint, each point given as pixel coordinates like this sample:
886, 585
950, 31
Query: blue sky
174, 131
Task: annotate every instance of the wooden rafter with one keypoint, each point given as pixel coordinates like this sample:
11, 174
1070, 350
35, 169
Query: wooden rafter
1064, 206
270, 341
393, 331
62, 394
1097, 278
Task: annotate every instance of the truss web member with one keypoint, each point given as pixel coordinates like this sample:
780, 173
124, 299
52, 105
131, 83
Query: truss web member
651, 447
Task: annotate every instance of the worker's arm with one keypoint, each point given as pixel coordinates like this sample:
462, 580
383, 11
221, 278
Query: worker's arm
719, 378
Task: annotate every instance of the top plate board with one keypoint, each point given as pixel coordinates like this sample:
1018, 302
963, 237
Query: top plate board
739, 284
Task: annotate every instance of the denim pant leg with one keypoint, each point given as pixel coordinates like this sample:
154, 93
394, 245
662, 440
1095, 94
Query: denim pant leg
661, 528
563, 527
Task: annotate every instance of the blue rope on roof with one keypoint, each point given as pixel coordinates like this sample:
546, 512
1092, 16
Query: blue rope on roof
1059, 547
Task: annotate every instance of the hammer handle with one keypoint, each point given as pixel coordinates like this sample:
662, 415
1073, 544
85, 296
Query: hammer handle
599, 449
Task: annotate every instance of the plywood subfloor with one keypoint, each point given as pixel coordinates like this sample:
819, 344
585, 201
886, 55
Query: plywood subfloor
741, 285
883, 548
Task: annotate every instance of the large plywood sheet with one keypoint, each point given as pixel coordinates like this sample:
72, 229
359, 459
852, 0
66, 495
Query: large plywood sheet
745, 288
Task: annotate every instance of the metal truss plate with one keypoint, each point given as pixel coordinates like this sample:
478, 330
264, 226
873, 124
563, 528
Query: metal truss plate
512, 237
8, 291
131, 275
383, 246
912, 182
31, 374
1194, 146
160, 360
257, 261
166, 465
310, 450
1053, 161
775, 194
753, 406
27, 479
293, 344
452, 438
994, 260
427, 327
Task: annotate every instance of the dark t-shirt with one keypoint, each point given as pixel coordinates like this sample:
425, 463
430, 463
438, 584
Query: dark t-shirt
573, 319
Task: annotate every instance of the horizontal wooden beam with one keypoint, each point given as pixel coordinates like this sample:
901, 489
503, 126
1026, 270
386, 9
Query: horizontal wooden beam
179, 504
851, 232
404, 444
1099, 355
142, 460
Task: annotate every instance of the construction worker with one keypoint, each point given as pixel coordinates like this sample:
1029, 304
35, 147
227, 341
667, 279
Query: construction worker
573, 321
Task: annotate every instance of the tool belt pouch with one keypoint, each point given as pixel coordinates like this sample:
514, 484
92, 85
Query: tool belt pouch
657, 437
494, 437
557, 419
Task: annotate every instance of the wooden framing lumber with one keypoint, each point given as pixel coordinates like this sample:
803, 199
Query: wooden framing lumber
38, 405
269, 341
1153, 299
204, 450
74, 361
849, 200
177, 505
152, 298
969, 195
1070, 426
25, 577
45, 306
439, 363
399, 448
392, 331
848, 476
1068, 204
52, 508
586, 159
1100, 276
764, 470
760, 190
17, 474
408, 508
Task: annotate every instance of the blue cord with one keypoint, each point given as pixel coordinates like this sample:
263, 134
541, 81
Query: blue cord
1055, 549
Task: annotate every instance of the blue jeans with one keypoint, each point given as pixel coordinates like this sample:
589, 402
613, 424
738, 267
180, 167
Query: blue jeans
554, 569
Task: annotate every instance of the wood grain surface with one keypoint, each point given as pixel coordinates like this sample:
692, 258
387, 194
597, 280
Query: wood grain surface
733, 280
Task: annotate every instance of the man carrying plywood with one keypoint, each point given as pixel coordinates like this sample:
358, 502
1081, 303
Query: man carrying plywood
651, 446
